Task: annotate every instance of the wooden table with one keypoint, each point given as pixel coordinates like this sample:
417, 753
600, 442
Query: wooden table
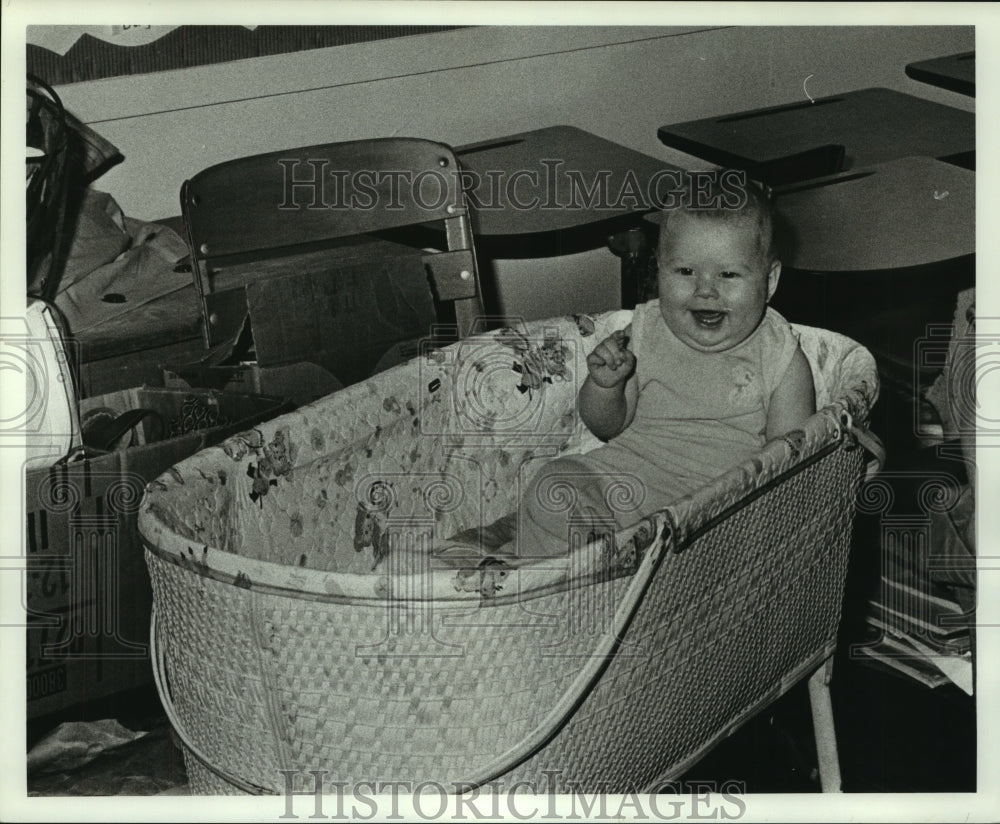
904, 213
873, 126
537, 182
561, 190
956, 72
894, 239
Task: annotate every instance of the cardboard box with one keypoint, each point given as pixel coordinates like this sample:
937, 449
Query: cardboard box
88, 595
299, 383
305, 326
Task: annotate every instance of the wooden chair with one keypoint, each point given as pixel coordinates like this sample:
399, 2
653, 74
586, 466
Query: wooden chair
284, 239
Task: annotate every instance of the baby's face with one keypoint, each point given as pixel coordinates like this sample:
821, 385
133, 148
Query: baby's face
714, 280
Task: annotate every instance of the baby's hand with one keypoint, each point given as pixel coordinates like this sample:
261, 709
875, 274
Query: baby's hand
611, 363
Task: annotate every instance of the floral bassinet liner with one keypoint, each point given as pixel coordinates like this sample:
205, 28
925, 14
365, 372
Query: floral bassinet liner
342, 500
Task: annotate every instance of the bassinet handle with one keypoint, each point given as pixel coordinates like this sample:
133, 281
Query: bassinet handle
157, 654
869, 440
591, 672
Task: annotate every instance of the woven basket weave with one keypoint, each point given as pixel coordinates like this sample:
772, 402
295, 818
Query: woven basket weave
279, 649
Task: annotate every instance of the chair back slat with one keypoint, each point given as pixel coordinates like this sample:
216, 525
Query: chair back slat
298, 196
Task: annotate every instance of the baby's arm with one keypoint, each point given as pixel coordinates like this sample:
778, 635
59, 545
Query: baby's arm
608, 395
794, 399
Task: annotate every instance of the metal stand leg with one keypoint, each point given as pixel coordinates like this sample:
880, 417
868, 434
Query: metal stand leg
826, 737
637, 283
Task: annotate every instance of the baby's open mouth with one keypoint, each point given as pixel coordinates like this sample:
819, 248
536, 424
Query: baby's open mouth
708, 319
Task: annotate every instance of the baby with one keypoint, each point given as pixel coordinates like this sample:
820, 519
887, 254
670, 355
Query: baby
699, 381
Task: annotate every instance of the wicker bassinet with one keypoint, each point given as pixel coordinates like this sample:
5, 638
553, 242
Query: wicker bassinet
287, 638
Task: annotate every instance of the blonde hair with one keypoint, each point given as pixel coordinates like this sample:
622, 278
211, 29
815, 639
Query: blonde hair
728, 195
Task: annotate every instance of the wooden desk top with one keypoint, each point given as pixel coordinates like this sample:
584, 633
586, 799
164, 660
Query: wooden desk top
908, 212
540, 175
956, 72
874, 125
